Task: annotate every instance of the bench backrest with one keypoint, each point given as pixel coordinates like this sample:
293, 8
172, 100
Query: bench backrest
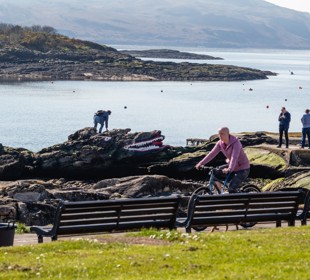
110, 215
274, 206
243, 207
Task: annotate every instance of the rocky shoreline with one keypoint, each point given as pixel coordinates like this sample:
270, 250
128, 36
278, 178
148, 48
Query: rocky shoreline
125, 69
121, 164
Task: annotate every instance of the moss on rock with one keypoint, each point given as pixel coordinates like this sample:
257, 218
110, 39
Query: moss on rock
296, 181
271, 186
263, 157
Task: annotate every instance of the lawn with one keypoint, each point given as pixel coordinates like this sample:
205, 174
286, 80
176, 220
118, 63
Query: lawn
278, 253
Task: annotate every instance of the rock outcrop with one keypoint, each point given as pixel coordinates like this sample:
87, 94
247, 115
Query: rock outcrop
120, 164
15, 163
34, 201
118, 153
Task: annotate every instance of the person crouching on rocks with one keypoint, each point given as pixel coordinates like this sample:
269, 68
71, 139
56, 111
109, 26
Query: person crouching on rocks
102, 117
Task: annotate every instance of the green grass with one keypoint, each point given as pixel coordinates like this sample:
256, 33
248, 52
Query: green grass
278, 253
22, 228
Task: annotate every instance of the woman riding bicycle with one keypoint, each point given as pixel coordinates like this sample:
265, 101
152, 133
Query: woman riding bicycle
238, 163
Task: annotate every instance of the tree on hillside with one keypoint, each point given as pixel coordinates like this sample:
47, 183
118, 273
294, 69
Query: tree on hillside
7, 29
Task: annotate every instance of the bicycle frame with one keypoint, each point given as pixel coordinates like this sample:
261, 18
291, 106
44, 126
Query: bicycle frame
214, 179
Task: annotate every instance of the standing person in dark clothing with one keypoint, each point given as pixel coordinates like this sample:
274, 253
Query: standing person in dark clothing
305, 120
102, 117
284, 124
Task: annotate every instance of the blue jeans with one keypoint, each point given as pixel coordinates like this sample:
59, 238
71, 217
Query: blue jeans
305, 132
237, 178
99, 120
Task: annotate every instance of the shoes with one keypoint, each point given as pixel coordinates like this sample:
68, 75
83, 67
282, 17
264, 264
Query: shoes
278, 146
286, 147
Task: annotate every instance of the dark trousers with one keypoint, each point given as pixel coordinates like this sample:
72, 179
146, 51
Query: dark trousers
281, 130
237, 178
305, 132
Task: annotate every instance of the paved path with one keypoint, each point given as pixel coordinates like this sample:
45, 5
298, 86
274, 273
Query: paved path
31, 238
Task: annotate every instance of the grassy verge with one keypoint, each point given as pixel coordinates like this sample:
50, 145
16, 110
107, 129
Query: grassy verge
279, 253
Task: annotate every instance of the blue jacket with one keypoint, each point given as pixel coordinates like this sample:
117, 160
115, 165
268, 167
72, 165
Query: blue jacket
284, 119
305, 120
102, 117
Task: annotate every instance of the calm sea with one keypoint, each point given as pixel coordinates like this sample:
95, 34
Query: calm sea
40, 114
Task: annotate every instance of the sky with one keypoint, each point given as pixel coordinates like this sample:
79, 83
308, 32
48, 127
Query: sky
299, 5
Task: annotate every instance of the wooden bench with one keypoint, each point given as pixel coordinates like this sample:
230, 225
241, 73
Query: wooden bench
235, 209
305, 213
110, 215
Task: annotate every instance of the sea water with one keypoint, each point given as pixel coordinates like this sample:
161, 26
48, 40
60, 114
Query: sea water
35, 115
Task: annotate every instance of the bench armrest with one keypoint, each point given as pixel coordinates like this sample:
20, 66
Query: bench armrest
185, 222
49, 231
304, 214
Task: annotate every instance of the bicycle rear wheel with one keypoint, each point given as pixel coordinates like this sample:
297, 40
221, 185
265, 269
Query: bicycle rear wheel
249, 188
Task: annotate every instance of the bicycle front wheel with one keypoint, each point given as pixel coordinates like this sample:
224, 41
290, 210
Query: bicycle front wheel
208, 190
205, 191
202, 191
249, 188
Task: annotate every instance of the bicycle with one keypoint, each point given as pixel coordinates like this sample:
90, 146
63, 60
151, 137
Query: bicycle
218, 186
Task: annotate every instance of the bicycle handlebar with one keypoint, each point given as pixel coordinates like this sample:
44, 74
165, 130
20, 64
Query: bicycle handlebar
212, 167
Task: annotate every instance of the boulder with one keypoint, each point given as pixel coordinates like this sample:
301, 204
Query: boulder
15, 163
34, 202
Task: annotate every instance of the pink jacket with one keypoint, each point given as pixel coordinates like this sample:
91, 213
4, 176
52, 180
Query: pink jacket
236, 158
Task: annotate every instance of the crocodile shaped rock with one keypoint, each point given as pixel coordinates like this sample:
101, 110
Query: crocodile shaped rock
88, 154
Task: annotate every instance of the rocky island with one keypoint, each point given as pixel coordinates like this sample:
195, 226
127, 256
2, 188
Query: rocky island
39, 53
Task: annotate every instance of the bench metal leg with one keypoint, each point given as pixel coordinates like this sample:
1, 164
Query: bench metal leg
278, 224
291, 223
54, 238
188, 230
40, 239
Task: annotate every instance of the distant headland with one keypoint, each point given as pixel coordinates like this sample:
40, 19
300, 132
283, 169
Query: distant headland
169, 54
40, 53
